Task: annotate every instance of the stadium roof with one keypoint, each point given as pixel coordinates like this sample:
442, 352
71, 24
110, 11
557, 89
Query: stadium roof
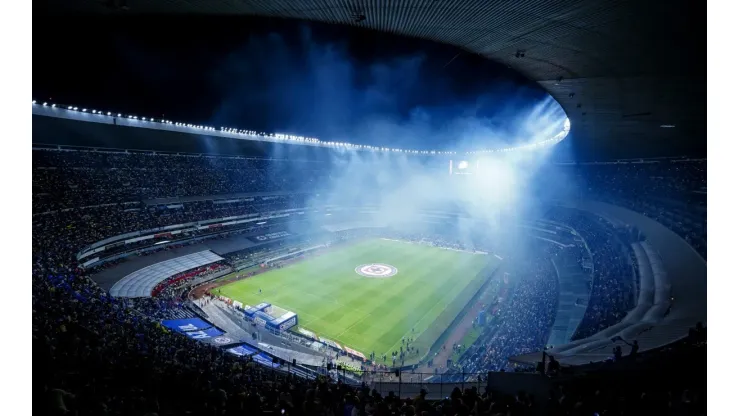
630, 74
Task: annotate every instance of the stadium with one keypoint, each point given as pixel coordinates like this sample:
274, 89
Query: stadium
208, 267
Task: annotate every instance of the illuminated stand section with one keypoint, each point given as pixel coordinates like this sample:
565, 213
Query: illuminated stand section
272, 318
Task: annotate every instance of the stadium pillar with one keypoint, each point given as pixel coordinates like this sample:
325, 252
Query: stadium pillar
400, 372
441, 385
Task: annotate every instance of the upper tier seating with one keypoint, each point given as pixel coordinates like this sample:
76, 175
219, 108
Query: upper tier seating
67, 179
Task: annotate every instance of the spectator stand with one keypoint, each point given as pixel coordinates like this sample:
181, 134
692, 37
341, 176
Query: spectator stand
142, 283
573, 294
672, 294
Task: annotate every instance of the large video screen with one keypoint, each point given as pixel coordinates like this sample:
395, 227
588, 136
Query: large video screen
463, 167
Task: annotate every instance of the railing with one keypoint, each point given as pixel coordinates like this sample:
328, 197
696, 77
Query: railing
440, 386
410, 384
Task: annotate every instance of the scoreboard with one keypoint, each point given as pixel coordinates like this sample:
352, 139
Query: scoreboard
463, 167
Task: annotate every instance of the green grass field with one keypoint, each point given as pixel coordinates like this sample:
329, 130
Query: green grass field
369, 314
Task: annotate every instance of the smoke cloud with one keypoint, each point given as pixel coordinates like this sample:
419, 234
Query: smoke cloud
317, 89
300, 85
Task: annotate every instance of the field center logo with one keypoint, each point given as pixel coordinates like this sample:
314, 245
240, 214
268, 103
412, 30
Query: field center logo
376, 270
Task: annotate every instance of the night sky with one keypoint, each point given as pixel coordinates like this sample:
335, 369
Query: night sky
331, 82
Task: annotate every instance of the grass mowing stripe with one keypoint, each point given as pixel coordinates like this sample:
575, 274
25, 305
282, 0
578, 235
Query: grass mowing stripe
426, 298
393, 305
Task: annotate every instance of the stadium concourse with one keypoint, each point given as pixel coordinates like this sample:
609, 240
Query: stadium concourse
131, 246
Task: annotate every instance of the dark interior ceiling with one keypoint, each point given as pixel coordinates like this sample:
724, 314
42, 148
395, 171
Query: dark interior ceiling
620, 68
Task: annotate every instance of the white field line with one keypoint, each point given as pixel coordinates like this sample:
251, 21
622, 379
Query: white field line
354, 324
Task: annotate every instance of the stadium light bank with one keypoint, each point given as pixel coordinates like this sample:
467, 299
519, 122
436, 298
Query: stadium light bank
279, 137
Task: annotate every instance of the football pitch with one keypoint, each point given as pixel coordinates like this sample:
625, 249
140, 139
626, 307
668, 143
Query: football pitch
429, 289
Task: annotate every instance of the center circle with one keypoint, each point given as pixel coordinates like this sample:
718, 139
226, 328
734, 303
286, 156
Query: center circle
376, 270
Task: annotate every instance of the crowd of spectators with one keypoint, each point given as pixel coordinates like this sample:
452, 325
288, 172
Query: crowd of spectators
161, 308
81, 227
443, 235
112, 185
612, 287
169, 286
521, 322
672, 192
257, 256
76, 178
73, 210
436, 240
671, 179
